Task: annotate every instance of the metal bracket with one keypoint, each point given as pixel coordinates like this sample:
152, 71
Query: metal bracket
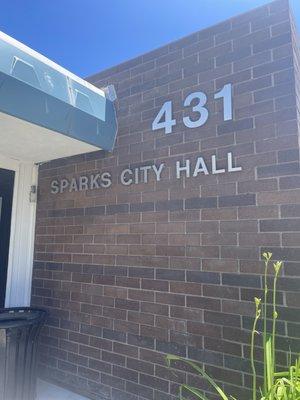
33, 194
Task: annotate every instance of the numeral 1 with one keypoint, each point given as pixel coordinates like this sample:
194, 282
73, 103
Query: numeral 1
226, 94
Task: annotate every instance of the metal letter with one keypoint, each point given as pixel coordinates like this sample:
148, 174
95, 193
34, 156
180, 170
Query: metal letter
145, 169
93, 181
185, 168
106, 179
200, 167
55, 186
64, 183
122, 177
231, 168
158, 171
83, 183
73, 185
214, 169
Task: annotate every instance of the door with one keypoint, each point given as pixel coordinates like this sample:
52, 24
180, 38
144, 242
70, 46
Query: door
7, 178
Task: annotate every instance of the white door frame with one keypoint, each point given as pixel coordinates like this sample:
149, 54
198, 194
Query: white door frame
21, 245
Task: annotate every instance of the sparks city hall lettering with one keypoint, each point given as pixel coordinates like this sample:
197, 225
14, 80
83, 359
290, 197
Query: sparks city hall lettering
142, 175
164, 120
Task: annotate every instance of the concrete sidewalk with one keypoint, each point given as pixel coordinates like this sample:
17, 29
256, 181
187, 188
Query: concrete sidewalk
48, 391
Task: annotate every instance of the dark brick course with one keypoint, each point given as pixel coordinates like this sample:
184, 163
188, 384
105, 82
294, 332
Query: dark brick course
130, 273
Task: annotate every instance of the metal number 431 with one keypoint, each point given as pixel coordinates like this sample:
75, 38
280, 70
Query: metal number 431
164, 119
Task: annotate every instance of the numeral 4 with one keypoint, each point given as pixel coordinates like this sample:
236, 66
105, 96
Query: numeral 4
164, 119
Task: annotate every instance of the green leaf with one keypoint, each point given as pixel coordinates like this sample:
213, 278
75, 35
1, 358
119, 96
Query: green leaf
201, 372
269, 363
195, 392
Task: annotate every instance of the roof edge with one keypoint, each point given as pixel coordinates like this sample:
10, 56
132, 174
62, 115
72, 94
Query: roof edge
10, 40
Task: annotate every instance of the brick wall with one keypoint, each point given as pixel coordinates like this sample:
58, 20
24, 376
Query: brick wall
130, 273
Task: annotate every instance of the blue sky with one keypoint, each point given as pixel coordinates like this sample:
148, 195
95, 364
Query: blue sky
91, 35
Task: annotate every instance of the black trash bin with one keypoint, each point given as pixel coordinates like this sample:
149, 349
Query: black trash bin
19, 331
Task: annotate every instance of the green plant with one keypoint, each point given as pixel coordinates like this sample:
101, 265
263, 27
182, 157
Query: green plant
287, 384
283, 385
